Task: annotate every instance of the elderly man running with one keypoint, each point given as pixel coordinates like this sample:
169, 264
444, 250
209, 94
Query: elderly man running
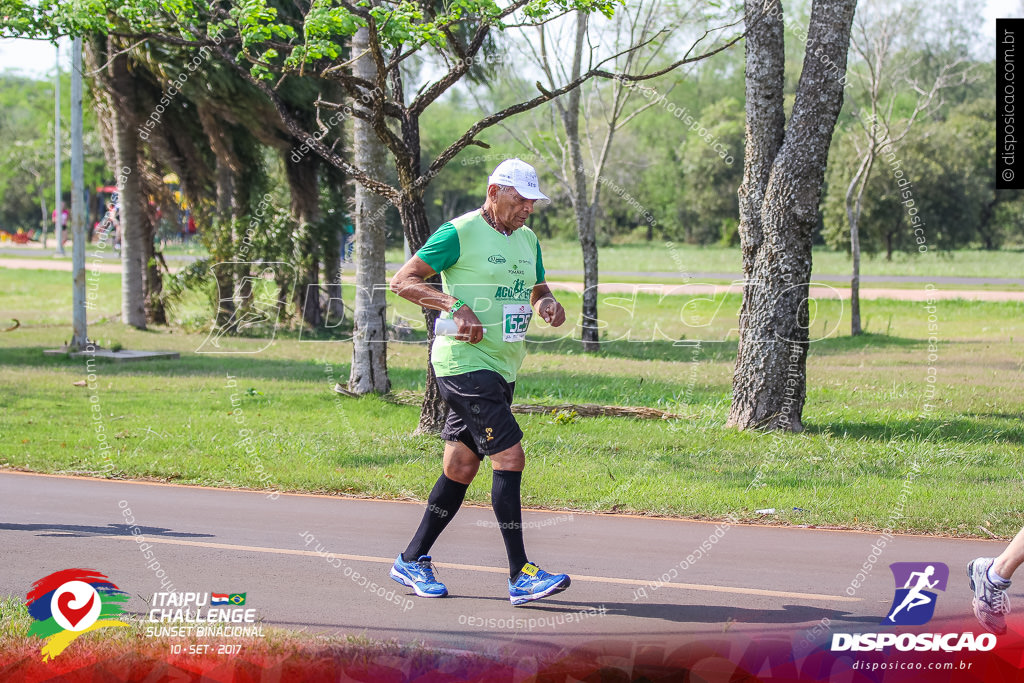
493, 280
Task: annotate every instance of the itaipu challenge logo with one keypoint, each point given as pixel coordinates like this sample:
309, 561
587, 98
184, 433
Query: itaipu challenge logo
68, 603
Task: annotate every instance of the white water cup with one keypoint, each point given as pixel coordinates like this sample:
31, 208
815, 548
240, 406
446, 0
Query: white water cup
446, 327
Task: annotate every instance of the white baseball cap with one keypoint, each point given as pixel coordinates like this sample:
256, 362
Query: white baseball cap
520, 175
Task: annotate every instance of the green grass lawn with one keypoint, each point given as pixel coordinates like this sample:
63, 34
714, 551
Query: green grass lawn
186, 420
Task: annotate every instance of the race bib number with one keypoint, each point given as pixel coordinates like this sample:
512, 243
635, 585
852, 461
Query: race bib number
517, 319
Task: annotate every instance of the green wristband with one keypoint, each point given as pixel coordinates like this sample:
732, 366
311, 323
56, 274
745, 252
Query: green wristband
459, 303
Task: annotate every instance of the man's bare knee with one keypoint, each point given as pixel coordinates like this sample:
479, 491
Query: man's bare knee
460, 473
460, 463
511, 459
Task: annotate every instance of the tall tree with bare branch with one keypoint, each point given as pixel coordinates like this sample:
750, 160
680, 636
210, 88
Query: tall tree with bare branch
784, 169
882, 37
583, 124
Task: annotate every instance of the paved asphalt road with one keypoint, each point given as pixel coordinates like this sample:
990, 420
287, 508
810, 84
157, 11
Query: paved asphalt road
755, 580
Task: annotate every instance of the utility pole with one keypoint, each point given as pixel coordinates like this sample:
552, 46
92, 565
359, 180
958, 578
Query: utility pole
79, 339
58, 199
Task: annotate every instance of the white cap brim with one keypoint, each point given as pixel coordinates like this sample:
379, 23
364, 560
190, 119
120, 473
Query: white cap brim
524, 191
528, 193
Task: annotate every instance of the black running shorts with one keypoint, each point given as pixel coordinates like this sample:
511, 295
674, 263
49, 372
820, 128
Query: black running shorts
480, 411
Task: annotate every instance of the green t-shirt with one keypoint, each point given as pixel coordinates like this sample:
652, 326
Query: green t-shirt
494, 274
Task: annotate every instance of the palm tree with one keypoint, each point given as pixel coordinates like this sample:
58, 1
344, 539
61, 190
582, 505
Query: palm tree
369, 372
110, 63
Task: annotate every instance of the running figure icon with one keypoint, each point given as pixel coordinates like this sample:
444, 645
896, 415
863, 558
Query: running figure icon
915, 597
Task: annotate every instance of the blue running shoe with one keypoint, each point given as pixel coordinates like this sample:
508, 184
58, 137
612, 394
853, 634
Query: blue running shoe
533, 583
419, 576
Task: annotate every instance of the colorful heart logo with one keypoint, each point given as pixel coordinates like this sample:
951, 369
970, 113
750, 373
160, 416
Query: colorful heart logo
76, 605
70, 602
73, 615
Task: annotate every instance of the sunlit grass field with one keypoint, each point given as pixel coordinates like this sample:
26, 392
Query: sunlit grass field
866, 425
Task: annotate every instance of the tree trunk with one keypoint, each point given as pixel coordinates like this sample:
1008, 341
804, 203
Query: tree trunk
853, 216
307, 288
855, 328
985, 224
434, 410
369, 371
303, 183
282, 279
334, 308
416, 228
783, 176
854, 209
588, 242
225, 181
414, 221
333, 311
42, 210
585, 223
155, 312
243, 281
126, 151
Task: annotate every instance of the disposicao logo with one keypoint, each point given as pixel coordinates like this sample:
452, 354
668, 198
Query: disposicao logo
68, 603
913, 605
914, 602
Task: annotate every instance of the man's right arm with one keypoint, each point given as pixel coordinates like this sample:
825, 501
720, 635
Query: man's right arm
410, 284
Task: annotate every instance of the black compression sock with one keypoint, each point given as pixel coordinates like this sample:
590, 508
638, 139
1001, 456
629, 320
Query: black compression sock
444, 501
508, 510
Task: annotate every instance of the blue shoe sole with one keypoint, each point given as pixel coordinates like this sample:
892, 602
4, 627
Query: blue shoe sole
557, 588
402, 579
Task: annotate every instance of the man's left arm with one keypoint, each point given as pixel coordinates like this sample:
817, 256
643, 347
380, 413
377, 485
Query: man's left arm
541, 298
547, 307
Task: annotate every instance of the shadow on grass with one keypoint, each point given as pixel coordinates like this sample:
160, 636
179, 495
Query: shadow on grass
715, 351
247, 366
545, 387
251, 364
958, 430
567, 386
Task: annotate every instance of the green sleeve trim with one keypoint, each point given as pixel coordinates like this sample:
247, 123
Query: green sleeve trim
540, 264
442, 249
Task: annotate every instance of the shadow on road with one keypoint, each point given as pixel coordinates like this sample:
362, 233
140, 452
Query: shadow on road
109, 530
698, 614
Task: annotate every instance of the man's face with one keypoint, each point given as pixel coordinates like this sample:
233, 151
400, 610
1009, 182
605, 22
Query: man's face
510, 208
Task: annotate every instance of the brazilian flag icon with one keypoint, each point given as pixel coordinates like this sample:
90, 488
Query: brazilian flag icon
237, 598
